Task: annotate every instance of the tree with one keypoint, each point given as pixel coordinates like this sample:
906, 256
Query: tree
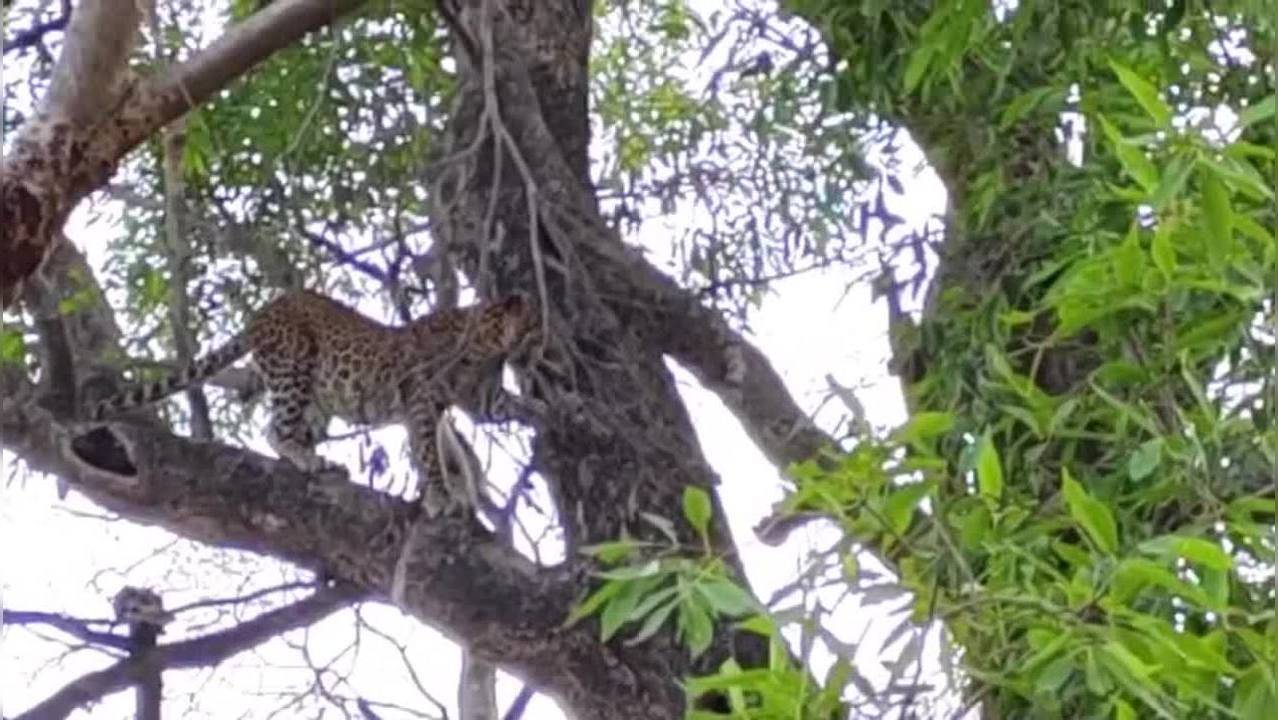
1084, 492
613, 441
1092, 380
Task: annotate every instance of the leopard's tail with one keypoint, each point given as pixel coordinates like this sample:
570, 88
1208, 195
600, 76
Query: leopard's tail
196, 373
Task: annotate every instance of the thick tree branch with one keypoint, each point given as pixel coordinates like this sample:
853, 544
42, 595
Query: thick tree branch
698, 337
92, 116
75, 627
459, 578
206, 651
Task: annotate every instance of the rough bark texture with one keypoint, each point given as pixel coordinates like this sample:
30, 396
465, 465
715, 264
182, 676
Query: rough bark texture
516, 209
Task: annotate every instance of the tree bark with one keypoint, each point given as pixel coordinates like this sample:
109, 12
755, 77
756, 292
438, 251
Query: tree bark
614, 442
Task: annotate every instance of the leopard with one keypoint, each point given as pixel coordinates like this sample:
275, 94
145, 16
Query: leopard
319, 358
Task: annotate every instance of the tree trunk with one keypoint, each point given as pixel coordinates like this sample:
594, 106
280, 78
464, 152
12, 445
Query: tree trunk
614, 442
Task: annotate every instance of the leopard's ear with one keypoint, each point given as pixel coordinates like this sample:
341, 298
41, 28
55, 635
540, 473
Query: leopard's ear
516, 302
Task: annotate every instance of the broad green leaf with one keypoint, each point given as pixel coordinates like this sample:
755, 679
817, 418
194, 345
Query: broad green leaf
633, 572
1049, 651
727, 598
1239, 175
610, 552
1217, 212
1134, 574
759, 624
1091, 515
592, 603
620, 608
1255, 697
989, 469
1024, 104
1216, 585
1173, 180
652, 622
1144, 91
1129, 260
697, 508
1253, 230
13, 346
1212, 330
1197, 550
1129, 660
1258, 112
917, 67
654, 599
1133, 676
1131, 157
696, 626
1145, 460
1054, 674
899, 507
925, 425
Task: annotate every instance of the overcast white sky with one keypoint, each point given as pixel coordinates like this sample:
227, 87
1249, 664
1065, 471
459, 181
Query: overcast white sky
72, 560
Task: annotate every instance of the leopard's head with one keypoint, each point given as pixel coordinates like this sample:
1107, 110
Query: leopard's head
517, 318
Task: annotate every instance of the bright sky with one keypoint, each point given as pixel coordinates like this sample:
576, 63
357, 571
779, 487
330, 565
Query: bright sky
810, 326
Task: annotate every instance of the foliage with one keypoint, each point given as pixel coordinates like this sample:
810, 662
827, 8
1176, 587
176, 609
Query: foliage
720, 116
1084, 493
648, 585
665, 584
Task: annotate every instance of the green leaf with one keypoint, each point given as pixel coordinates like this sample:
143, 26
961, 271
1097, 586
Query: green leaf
899, 507
1173, 181
1239, 175
1145, 460
989, 469
697, 627
1212, 330
610, 553
1123, 710
760, 625
1144, 91
653, 622
653, 600
1131, 157
917, 67
1128, 260
1024, 104
697, 508
1162, 250
727, 598
620, 609
1216, 208
592, 603
1134, 573
1254, 696
13, 347
1253, 230
1090, 514
1048, 652
633, 572
1130, 662
1196, 550
925, 425
1258, 112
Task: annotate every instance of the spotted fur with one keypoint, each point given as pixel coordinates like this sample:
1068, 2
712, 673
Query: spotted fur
320, 359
